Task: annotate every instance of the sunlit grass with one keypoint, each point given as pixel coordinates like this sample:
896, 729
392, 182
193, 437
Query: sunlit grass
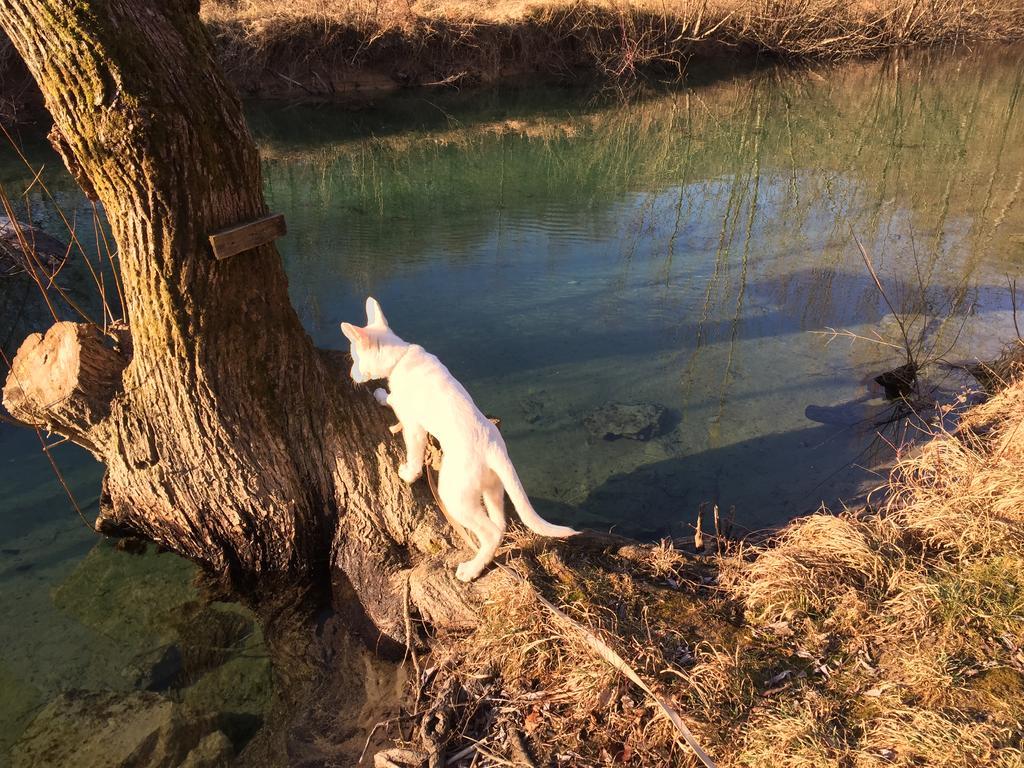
862, 639
618, 36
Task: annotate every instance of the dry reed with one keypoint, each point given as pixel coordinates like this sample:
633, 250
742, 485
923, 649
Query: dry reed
319, 47
331, 48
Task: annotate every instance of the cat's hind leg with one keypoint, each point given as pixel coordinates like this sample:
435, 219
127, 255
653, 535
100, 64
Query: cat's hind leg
489, 536
460, 494
494, 500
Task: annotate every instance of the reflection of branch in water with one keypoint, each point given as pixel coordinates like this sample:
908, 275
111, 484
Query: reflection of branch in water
741, 293
667, 270
684, 172
833, 334
638, 230
730, 220
878, 284
1011, 201
500, 233
794, 187
997, 162
723, 249
1012, 285
896, 139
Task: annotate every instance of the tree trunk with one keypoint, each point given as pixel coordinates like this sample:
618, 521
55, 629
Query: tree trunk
227, 436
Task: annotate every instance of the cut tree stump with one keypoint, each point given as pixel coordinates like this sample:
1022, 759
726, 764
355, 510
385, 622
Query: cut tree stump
64, 381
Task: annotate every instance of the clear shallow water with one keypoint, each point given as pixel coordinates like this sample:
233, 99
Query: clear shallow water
681, 249
560, 251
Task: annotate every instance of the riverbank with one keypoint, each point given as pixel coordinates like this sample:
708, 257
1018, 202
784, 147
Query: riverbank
888, 635
311, 48
360, 49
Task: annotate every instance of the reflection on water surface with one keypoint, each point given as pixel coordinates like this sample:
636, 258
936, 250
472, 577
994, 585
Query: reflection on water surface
563, 252
680, 249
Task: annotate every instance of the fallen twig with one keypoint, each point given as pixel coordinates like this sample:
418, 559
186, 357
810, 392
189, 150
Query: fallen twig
602, 649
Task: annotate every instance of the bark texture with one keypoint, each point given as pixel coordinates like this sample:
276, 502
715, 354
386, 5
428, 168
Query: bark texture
227, 436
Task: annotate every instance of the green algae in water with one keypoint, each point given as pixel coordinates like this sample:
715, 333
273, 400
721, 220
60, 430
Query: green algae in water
80, 615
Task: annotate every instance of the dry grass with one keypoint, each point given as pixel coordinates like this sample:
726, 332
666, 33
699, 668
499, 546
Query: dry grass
331, 48
880, 637
324, 46
995, 375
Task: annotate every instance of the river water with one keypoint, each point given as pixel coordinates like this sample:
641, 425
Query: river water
565, 252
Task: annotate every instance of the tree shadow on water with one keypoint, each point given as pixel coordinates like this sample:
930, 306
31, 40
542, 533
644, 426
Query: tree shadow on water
769, 479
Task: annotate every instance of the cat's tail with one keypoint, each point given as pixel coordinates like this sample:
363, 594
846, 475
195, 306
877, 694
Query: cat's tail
499, 462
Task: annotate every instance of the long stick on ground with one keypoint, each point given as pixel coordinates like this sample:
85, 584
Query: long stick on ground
601, 648
608, 654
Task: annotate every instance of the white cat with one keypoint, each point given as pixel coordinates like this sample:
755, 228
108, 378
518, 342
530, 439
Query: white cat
426, 399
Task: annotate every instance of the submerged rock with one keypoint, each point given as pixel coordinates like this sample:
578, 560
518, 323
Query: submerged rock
19, 701
534, 408
159, 669
632, 421
132, 599
166, 638
49, 252
214, 751
899, 382
109, 728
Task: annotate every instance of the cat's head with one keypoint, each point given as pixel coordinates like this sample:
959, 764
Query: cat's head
375, 348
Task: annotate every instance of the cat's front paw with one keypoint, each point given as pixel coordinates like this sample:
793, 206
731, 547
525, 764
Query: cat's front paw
381, 395
468, 571
409, 474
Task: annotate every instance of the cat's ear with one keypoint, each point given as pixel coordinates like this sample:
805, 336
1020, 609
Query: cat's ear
374, 315
353, 332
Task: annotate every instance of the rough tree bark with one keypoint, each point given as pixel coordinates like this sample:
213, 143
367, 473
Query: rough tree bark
226, 435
